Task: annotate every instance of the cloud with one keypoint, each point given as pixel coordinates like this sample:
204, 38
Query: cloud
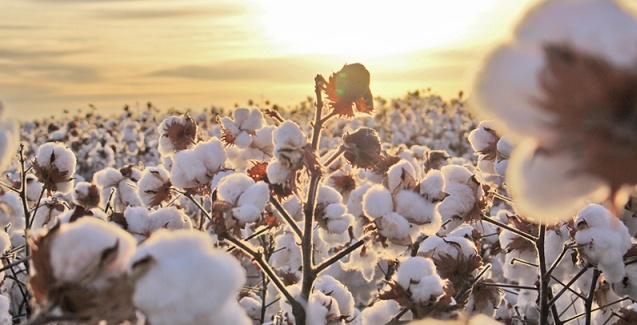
50, 72
278, 69
210, 10
20, 54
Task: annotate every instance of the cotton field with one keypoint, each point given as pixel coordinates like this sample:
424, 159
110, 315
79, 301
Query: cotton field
516, 205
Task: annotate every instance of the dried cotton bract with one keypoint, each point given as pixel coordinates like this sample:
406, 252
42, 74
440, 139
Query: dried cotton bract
566, 87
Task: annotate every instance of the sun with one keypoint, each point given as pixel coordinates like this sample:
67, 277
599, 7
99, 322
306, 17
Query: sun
368, 29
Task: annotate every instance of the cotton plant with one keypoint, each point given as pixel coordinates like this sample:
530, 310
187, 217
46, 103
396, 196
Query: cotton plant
154, 186
80, 268
196, 167
204, 292
398, 210
141, 222
561, 87
54, 166
416, 285
602, 240
465, 195
176, 133
124, 184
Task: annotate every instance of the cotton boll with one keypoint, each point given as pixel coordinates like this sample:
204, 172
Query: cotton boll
252, 306
401, 175
413, 269
194, 167
338, 291
602, 239
257, 195
394, 226
418, 211
355, 200
34, 189
86, 195
432, 185
380, 313
5, 316
78, 248
154, 186
543, 187
173, 283
278, 173
287, 254
168, 218
9, 140
483, 136
230, 313
246, 213
11, 210
590, 26
377, 202
55, 166
232, 186
243, 140
427, 289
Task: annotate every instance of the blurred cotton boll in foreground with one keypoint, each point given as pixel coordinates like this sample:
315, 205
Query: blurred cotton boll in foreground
9, 139
565, 90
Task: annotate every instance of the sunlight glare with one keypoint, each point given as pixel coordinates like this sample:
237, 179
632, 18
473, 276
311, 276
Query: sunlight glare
368, 29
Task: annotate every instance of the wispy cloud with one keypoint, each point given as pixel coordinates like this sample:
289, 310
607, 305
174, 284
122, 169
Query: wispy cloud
281, 69
166, 13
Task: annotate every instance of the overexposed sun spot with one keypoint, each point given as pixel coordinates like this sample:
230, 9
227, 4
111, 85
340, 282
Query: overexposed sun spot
368, 29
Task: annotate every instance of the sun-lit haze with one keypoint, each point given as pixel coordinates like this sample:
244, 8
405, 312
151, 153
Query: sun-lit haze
67, 54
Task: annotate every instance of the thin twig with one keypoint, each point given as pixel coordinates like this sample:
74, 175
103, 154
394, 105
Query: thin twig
337, 154
568, 285
465, 288
265, 267
341, 254
286, 216
518, 232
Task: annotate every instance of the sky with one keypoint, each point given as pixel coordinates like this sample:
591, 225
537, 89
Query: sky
191, 54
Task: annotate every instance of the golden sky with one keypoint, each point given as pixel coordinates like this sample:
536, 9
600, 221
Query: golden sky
65, 54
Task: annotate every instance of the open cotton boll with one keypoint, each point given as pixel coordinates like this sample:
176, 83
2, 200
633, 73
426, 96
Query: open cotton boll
483, 136
590, 26
288, 136
12, 211
86, 195
5, 316
287, 254
246, 213
180, 278
9, 140
338, 291
78, 248
168, 218
456, 174
231, 313
380, 313
154, 186
252, 306
432, 185
413, 269
54, 166
194, 167
321, 309
278, 173
401, 175
419, 211
232, 186
427, 289
543, 187
394, 226
257, 195
176, 133
602, 239
377, 202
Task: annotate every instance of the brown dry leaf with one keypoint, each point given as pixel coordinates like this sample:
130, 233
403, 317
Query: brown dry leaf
385, 163
344, 183
595, 104
258, 171
628, 316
